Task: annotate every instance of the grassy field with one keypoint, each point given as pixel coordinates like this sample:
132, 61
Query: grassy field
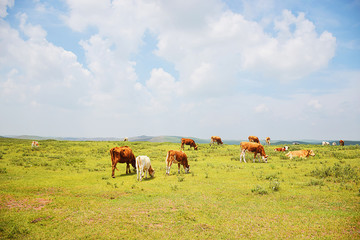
64, 190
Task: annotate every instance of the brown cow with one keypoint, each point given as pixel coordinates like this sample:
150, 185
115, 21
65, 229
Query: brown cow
188, 141
283, 149
341, 143
267, 140
300, 154
178, 157
216, 139
253, 139
122, 155
252, 147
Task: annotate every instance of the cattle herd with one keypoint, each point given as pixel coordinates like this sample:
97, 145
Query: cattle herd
142, 164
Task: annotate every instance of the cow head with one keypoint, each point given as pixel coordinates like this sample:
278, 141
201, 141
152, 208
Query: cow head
311, 153
151, 172
265, 158
196, 148
187, 169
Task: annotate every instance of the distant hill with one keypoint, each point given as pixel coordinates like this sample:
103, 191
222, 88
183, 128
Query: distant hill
173, 139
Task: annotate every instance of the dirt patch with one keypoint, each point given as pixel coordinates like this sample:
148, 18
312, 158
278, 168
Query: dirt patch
36, 203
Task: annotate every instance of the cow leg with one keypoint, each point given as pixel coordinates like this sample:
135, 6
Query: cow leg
254, 157
178, 167
127, 168
242, 155
168, 168
113, 170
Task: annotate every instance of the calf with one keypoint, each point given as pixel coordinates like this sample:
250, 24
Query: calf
254, 139
143, 165
178, 157
188, 141
252, 147
300, 154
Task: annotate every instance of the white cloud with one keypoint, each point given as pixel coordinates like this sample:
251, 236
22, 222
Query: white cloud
4, 4
315, 104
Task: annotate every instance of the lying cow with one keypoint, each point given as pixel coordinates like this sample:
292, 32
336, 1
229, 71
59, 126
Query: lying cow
300, 154
143, 165
178, 157
34, 144
281, 149
216, 139
122, 155
254, 139
188, 141
252, 147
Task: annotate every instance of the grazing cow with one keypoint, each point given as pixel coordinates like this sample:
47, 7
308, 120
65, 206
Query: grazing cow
252, 147
325, 143
143, 165
178, 157
267, 140
34, 144
254, 139
334, 143
216, 139
300, 154
122, 155
283, 149
188, 141
126, 139
341, 143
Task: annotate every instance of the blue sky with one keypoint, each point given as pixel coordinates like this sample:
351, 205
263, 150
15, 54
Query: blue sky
283, 69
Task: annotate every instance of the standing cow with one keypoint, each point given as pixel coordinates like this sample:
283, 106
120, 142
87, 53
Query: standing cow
143, 165
188, 141
254, 139
267, 140
215, 139
341, 143
178, 157
122, 155
252, 147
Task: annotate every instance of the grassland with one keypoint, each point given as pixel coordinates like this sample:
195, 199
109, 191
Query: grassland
64, 190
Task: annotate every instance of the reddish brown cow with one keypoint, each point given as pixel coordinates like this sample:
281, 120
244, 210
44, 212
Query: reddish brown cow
252, 147
267, 140
254, 139
283, 149
216, 139
122, 155
341, 142
178, 157
188, 141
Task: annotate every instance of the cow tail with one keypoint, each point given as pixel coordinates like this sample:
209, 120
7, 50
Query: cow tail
112, 153
167, 157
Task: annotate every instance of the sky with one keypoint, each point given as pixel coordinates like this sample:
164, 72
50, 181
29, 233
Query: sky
282, 69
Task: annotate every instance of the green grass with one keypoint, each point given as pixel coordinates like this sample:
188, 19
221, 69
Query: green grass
64, 190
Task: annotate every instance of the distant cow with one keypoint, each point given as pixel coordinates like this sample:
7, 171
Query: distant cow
143, 165
216, 139
188, 141
122, 155
300, 154
178, 157
267, 140
341, 143
254, 139
252, 147
126, 139
325, 143
334, 143
34, 144
283, 149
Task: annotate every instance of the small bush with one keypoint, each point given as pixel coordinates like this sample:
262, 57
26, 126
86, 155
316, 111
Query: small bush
3, 170
275, 186
337, 172
259, 190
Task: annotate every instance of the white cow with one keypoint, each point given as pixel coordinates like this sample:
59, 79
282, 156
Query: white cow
143, 165
325, 143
